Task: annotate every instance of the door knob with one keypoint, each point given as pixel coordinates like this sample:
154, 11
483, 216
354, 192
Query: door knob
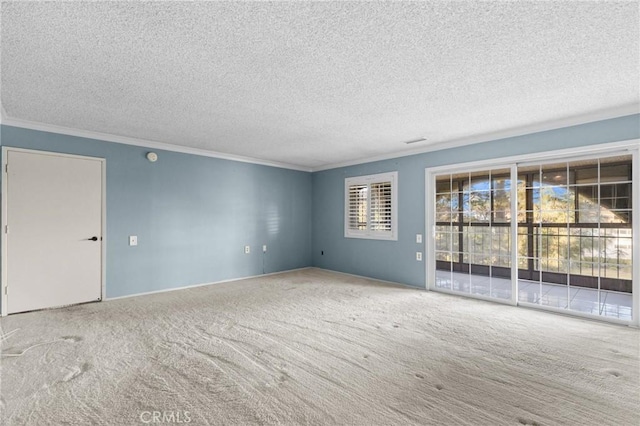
93, 239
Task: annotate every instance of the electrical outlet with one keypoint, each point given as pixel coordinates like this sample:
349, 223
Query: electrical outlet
418, 238
247, 249
264, 248
419, 256
133, 240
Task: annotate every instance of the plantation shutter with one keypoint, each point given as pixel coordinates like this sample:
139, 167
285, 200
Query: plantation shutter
358, 207
380, 214
371, 206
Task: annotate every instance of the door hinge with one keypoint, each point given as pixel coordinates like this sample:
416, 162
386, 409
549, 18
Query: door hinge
5, 290
6, 229
6, 168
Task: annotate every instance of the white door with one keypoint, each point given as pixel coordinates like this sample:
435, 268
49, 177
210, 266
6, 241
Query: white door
54, 230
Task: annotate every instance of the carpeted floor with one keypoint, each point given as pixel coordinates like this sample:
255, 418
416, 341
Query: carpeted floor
314, 347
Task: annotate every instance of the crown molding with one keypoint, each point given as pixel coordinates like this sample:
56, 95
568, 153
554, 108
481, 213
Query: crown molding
616, 112
52, 128
600, 115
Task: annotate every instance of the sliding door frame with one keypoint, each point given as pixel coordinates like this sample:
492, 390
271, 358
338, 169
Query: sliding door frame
631, 147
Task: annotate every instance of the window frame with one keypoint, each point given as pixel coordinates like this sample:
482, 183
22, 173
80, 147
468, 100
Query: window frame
580, 152
537, 238
368, 233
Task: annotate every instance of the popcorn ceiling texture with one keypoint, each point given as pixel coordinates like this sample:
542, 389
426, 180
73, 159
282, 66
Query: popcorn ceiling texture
314, 83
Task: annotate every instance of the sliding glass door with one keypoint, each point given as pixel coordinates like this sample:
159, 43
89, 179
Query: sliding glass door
472, 233
554, 234
575, 235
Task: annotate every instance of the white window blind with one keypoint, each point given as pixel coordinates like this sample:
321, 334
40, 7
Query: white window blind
380, 212
371, 206
358, 207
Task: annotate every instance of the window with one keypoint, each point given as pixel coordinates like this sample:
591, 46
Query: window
472, 232
575, 223
557, 233
371, 206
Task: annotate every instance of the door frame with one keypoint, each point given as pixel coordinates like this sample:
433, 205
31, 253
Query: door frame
632, 145
4, 209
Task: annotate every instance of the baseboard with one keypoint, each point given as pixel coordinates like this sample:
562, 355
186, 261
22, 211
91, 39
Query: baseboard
204, 284
369, 278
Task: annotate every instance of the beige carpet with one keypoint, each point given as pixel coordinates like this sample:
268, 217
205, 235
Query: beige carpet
314, 347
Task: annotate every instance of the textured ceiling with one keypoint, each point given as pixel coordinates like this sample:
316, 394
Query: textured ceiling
313, 84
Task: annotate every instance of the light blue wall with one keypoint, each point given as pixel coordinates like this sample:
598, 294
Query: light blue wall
192, 215
395, 260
